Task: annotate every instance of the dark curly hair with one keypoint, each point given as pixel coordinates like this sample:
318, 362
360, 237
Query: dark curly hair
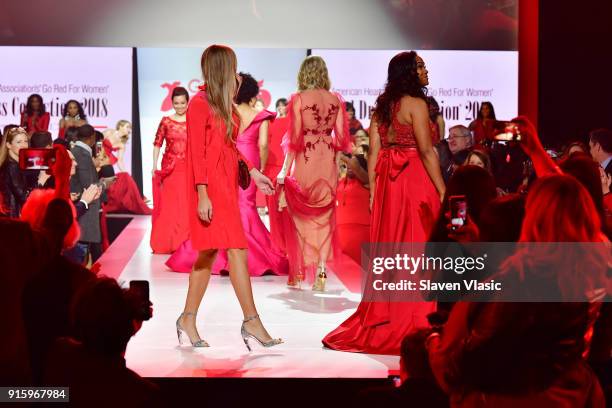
30, 110
81, 111
248, 89
402, 80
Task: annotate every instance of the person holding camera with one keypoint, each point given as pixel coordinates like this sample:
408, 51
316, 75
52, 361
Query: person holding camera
104, 318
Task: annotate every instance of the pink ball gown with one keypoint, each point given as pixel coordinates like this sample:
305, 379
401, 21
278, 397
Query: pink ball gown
263, 255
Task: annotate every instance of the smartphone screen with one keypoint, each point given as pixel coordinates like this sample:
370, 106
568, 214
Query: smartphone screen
458, 210
36, 159
141, 289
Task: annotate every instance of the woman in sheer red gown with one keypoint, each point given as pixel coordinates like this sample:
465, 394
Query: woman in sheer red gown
304, 219
170, 222
404, 172
123, 195
212, 195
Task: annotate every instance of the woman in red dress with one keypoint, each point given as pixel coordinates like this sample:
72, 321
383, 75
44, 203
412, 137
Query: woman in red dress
170, 221
212, 188
34, 118
123, 195
73, 116
404, 172
276, 131
318, 130
484, 125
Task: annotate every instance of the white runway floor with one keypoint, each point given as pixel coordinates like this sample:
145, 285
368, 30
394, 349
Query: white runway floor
301, 317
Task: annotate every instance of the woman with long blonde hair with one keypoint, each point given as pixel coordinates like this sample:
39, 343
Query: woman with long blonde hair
212, 174
304, 220
13, 186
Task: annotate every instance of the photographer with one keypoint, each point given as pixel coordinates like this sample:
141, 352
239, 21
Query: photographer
104, 318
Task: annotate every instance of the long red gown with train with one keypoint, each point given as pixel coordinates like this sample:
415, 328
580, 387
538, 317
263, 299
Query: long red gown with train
305, 228
123, 195
402, 183
170, 220
212, 160
263, 256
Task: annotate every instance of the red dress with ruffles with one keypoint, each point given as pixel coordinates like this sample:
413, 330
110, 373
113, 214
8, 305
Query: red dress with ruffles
402, 183
212, 160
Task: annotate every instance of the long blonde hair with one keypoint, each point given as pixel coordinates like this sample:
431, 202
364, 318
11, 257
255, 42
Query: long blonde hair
11, 134
219, 67
313, 74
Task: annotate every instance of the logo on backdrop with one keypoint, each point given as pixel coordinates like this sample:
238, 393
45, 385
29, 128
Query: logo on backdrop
192, 88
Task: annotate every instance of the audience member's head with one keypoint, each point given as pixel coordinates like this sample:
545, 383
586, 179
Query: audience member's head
560, 209
73, 109
7, 128
87, 135
71, 134
16, 139
103, 318
486, 111
501, 219
59, 218
41, 140
459, 139
479, 158
600, 144
576, 147
414, 358
586, 171
249, 89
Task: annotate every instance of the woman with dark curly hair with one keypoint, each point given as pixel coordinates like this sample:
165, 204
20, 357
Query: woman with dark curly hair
34, 118
404, 173
72, 115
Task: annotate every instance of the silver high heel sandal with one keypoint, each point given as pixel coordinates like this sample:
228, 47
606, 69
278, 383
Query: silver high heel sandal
246, 335
182, 333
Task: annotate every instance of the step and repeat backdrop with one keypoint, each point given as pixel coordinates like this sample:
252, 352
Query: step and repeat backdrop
100, 78
459, 80
160, 70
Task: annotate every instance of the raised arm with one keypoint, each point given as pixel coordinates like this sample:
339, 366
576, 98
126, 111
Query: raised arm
373, 157
420, 122
294, 138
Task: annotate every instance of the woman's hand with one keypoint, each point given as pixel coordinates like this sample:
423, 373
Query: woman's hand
205, 209
263, 183
280, 178
468, 232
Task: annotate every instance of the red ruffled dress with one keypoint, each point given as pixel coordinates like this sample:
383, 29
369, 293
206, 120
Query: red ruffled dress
402, 183
170, 220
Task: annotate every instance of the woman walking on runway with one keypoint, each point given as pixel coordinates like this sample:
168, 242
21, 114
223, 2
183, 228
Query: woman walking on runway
212, 174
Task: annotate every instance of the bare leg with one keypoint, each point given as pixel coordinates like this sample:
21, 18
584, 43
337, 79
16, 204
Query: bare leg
198, 282
241, 281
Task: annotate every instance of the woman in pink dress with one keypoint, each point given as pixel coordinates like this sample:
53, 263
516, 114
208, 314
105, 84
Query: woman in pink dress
263, 255
404, 172
304, 219
170, 221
